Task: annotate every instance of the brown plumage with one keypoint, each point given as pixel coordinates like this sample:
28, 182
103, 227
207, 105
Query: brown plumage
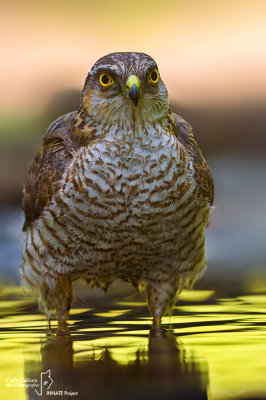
118, 190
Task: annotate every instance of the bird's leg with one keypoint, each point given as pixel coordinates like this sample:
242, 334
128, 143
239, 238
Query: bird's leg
56, 297
160, 297
156, 322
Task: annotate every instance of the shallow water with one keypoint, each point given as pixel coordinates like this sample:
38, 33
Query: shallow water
211, 348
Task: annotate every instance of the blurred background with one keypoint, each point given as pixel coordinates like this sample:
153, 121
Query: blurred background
212, 57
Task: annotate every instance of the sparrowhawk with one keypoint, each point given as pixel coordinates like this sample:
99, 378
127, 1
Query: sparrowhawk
118, 190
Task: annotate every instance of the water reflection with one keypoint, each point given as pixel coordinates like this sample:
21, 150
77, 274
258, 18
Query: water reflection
162, 370
213, 347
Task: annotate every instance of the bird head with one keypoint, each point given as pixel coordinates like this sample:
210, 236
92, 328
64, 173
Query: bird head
125, 87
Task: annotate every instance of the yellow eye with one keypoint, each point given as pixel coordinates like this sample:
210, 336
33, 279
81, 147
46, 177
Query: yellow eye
106, 80
153, 76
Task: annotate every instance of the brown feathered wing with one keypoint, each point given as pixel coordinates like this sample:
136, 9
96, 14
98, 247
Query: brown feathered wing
203, 175
47, 168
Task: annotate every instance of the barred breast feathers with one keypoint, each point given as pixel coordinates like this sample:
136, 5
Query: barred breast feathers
59, 146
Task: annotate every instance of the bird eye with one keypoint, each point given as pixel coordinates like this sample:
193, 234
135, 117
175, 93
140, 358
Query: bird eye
105, 80
153, 76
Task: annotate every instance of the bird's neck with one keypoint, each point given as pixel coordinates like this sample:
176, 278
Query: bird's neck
132, 128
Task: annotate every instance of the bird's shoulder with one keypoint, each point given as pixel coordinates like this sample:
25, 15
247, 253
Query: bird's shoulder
203, 176
43, 178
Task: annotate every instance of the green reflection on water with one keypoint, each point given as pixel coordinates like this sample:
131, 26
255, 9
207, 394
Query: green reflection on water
212, 348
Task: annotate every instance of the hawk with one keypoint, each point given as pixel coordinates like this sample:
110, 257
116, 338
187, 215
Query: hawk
118, 190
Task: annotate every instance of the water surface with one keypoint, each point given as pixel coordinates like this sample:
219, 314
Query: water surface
212, 348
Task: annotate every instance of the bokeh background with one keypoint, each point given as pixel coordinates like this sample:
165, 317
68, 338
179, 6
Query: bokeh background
212, 57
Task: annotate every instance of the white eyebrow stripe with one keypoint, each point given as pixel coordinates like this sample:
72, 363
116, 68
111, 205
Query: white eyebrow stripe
108, 67
151, 65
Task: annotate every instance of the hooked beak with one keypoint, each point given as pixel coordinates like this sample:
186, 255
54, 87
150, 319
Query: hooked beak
133, 88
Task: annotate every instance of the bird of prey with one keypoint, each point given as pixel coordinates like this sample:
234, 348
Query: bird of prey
118, 190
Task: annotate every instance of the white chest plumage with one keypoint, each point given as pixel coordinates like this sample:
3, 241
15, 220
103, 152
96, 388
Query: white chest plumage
125, 210
115, 184
126, 204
